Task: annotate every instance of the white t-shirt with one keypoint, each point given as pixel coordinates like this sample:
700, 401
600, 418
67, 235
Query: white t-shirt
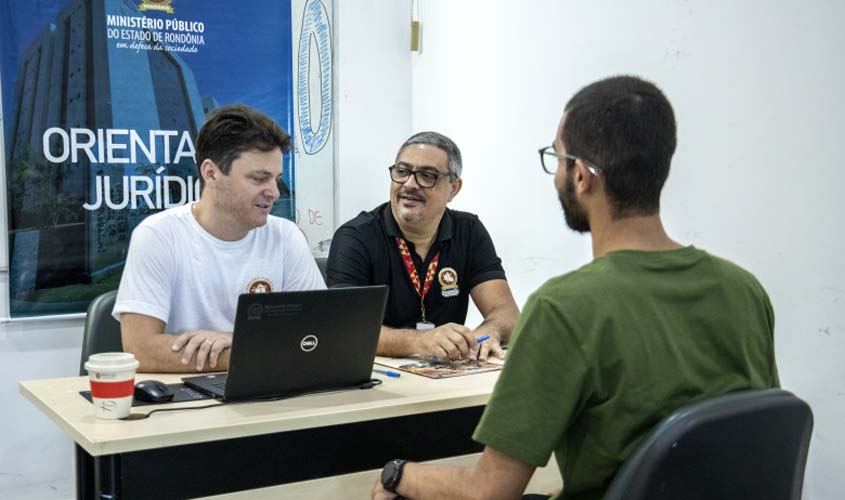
179, 273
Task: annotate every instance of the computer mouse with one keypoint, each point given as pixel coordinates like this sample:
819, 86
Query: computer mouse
153, 391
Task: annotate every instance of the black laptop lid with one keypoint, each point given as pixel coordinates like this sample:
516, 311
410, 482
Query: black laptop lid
295, 342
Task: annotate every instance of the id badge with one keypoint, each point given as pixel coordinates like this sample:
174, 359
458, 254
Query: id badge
424, 326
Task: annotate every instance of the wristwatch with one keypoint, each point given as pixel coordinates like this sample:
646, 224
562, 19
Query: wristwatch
392, 474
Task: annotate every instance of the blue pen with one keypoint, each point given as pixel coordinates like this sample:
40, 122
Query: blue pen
477, 341
389, 373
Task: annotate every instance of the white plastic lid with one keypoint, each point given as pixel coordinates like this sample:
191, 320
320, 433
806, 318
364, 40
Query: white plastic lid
111, 362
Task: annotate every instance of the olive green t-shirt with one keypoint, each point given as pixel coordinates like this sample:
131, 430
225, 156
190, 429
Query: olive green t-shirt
602, 354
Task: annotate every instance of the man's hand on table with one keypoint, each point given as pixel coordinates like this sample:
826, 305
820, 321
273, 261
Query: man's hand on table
452, 341
487, 348
201, 346
379, 493
448, 341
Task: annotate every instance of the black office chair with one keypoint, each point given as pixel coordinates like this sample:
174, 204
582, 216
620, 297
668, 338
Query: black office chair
746, 445
102, 331
321, 265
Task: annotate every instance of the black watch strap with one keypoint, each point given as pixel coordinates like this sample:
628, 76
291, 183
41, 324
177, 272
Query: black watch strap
392, 474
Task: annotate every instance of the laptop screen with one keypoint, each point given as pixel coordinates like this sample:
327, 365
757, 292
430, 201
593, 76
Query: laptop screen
287, 343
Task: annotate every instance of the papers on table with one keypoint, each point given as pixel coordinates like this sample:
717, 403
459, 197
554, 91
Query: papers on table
440, 369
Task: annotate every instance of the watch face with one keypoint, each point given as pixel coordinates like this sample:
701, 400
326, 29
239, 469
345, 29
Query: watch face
391, 475
387, 473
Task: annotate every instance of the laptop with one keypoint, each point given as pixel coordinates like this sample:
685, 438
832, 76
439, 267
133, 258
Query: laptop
290, 343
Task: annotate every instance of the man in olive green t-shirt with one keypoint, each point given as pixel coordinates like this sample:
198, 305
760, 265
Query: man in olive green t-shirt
601, 354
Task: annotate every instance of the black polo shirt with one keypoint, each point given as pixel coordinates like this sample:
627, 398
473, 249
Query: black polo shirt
364, 252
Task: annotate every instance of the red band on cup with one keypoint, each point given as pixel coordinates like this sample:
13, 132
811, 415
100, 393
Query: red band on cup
107, 390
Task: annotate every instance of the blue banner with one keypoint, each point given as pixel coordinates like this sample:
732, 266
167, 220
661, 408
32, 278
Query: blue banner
102, 102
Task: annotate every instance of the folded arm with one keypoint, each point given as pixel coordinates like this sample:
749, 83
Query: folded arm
194, 350
453, 341
448, 341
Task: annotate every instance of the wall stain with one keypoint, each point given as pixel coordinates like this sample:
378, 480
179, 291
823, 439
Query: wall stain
830, 329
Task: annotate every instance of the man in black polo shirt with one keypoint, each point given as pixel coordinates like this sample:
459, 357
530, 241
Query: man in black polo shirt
433, 259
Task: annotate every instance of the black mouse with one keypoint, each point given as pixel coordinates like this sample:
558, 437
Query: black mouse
153, 391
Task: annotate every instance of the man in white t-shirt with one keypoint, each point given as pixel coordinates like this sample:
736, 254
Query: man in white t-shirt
187, 265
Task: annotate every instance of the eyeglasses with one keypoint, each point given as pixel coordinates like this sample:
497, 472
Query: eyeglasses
425, 178
549, 160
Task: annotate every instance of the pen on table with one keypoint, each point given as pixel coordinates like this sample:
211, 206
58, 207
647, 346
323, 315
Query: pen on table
477, 341
389, 373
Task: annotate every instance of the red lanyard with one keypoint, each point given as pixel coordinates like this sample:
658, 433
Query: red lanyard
422, 291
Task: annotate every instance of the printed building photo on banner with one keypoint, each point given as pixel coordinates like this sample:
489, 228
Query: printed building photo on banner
102, 102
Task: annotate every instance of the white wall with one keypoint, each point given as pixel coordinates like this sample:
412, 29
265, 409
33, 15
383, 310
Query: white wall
32, 449
758, 93
373, 99
373, 117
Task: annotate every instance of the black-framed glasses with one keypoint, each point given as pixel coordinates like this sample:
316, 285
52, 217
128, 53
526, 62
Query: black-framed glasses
425, 178
549, 160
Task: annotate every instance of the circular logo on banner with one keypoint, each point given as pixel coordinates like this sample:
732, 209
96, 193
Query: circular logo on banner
308, 343
259, 285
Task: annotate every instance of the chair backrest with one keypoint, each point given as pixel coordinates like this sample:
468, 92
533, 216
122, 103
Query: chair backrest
321, 265
746, 445
102, 331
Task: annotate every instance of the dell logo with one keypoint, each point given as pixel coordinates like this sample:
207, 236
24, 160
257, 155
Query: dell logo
308, 343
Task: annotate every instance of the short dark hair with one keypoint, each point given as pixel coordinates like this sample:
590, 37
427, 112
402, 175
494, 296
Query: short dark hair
231, 130
440, 141
626, 126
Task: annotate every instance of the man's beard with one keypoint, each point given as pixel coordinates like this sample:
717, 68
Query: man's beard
411, 218
573, 213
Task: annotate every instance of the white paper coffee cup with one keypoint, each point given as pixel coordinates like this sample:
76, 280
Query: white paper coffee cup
112, 377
